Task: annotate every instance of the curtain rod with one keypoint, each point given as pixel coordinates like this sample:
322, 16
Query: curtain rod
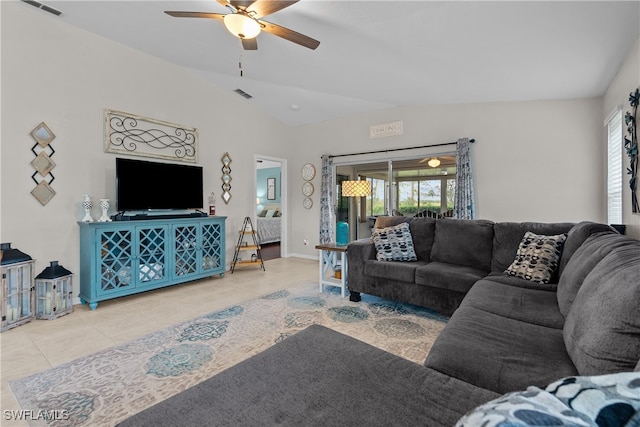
397, 149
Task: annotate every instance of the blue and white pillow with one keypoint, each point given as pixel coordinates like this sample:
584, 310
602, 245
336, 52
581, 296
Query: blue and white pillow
394, 243
598, 401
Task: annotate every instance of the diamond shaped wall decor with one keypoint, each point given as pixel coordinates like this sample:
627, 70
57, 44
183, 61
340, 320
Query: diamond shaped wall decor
43, 164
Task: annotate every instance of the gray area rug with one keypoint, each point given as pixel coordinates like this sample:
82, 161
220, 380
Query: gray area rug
107, 387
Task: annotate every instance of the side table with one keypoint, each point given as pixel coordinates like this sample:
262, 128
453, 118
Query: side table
332, 256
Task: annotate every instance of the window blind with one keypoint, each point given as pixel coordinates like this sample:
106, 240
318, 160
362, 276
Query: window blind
614, 167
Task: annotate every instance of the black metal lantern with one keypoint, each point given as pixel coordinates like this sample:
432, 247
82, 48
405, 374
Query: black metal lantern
17, 296
53, 292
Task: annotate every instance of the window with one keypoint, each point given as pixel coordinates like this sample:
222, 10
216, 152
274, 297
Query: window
614, 167
415, 186
375, 204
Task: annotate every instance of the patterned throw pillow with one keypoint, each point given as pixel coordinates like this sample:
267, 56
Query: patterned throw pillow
537, 257
605, 400
394, 243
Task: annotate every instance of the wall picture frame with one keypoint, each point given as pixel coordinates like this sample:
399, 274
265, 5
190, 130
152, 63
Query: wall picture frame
271, 188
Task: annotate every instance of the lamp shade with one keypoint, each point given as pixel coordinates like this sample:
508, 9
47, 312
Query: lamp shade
356, 188
241, 26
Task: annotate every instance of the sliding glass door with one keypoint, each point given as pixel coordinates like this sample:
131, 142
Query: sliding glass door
418, 186
426, 187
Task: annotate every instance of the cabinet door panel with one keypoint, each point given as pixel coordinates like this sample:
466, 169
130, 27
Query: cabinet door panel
185, 250
211, 248
152, 255
114, 272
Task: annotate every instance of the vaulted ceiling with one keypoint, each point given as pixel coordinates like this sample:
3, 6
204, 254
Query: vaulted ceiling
380, 54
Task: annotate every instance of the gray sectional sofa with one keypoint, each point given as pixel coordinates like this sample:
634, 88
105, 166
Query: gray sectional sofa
452, 255
507, 335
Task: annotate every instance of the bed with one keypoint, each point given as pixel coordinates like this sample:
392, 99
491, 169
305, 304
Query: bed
269, 225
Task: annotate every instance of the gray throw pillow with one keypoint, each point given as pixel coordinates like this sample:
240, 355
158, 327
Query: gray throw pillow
394, 243
537, 257
602, 330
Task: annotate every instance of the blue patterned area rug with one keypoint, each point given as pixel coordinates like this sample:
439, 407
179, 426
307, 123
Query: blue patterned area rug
109, 386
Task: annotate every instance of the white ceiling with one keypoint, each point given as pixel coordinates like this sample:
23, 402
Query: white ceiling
379, 54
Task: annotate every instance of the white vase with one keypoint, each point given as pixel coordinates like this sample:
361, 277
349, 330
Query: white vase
104, 205
87, 204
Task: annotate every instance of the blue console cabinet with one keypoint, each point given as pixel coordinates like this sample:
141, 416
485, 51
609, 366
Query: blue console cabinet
126, 257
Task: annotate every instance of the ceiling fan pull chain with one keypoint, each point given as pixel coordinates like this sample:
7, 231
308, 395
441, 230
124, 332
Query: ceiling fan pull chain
240, 65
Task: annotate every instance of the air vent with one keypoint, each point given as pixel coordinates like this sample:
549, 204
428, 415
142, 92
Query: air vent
43, 7
243, 93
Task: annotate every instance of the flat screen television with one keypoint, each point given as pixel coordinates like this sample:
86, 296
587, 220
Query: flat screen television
144, 185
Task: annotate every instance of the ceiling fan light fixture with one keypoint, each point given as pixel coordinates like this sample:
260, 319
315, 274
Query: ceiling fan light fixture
241, 26
434, 163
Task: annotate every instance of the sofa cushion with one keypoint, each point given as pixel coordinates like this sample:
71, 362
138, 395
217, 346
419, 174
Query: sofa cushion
602, 331
394, 243
498, 353
604, 400
463, 242
389, 221
520, 283
524, 303
423, 231
458, 278
577, 235
508, 235
584, 259
537, 257
400, 271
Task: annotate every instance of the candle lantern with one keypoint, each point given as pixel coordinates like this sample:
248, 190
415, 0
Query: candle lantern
53, 292
17, 296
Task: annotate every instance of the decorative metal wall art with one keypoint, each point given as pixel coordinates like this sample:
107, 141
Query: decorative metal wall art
631, 145
226, 178
127, 133
43, 164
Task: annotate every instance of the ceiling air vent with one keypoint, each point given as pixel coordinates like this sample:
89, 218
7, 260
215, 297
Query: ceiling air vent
43, 7
243, 93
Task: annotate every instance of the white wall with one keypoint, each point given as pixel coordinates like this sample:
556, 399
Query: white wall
66, 77
533, 161
625, 82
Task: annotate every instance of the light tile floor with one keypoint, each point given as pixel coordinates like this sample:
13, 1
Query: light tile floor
42, 344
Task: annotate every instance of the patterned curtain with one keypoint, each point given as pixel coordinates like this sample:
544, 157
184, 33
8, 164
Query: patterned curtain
464, 206
327, 212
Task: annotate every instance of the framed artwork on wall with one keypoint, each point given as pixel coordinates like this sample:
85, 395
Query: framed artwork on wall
271, 188
127, 133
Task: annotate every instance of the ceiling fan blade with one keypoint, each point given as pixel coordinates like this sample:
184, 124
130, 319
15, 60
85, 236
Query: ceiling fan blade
178, 14
262, 8
242, 3
250, 44
290, 35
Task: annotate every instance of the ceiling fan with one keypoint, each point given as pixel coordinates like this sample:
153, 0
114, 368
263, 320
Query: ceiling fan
245, 21
434, 162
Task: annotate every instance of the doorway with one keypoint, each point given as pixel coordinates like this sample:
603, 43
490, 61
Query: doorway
270, 200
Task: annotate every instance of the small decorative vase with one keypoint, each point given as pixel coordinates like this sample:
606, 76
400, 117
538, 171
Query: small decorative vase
342, 233
104, 205
87, 204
